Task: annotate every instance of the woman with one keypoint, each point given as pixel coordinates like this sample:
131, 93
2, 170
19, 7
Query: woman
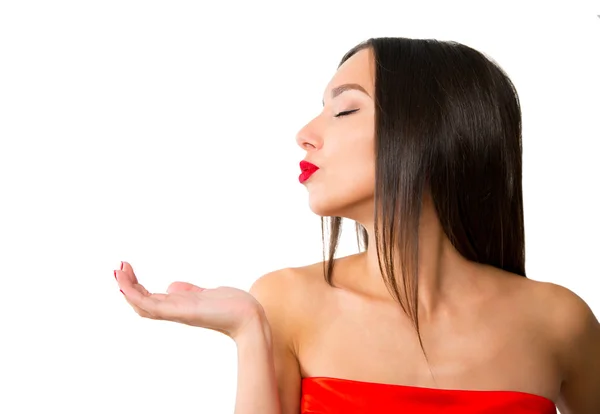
419, 142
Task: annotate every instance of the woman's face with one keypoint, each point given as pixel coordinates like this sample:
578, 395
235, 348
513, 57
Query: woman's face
342, 146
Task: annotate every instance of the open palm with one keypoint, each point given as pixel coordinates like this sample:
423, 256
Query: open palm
224, 309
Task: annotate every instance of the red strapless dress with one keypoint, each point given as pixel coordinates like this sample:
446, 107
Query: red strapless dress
321, 395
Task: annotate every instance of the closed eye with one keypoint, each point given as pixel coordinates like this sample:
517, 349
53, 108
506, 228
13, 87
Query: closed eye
344, 113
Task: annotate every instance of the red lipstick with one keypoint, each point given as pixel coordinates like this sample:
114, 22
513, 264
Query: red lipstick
308, 169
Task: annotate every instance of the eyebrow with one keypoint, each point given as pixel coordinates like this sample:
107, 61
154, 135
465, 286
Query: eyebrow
346, 87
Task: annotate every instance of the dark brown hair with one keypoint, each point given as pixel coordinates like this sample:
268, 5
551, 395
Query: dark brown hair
447, 121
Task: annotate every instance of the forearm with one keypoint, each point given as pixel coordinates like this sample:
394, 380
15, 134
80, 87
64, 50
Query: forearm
256, 381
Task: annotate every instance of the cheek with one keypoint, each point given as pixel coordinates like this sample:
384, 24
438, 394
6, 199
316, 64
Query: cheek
354, 162
348, 179
353, 171
335, 194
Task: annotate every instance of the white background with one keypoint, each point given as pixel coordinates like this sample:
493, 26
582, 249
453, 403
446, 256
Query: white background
163, 134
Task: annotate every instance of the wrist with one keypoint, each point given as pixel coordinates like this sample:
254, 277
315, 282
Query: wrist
255, 330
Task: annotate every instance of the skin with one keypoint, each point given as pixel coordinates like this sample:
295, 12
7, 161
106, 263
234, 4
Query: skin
482, 328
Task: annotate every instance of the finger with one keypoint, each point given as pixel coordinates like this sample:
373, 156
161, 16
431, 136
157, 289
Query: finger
129, 271
153, 304
143, 291
139, 310
125, 285
124, 278
183, 286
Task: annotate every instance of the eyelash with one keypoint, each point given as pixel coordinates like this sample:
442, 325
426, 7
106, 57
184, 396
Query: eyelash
344, 113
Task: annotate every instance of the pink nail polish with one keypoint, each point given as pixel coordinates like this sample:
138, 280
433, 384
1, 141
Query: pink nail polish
121, 265
122, 291
116, 276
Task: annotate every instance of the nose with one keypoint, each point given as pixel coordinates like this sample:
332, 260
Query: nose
307, 139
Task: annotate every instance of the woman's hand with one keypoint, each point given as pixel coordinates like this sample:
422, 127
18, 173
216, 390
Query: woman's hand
224, 309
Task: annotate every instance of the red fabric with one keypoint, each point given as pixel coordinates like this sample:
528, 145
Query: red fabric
321, 395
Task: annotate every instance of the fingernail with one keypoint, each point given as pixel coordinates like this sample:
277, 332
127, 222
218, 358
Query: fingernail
121, 265
116, 276
122, 291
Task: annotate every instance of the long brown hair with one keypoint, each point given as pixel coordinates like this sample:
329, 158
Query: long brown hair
447, 121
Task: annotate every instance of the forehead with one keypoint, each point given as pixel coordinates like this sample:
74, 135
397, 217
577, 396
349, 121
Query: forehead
359, 68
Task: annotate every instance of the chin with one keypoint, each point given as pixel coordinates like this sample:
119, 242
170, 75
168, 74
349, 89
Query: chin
325, 206
331, 207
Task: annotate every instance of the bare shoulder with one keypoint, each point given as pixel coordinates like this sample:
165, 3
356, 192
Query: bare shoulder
575, 332
277, 292
282, 294
288, 285
564, 319
288, 294
566, 312
563, 313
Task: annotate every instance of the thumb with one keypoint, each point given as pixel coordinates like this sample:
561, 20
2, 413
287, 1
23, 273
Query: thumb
183, 286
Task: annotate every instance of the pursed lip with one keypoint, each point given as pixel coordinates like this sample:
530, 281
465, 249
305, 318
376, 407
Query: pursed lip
308, 169
307, 166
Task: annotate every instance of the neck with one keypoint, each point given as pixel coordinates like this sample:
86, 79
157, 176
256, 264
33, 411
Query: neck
445, 277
